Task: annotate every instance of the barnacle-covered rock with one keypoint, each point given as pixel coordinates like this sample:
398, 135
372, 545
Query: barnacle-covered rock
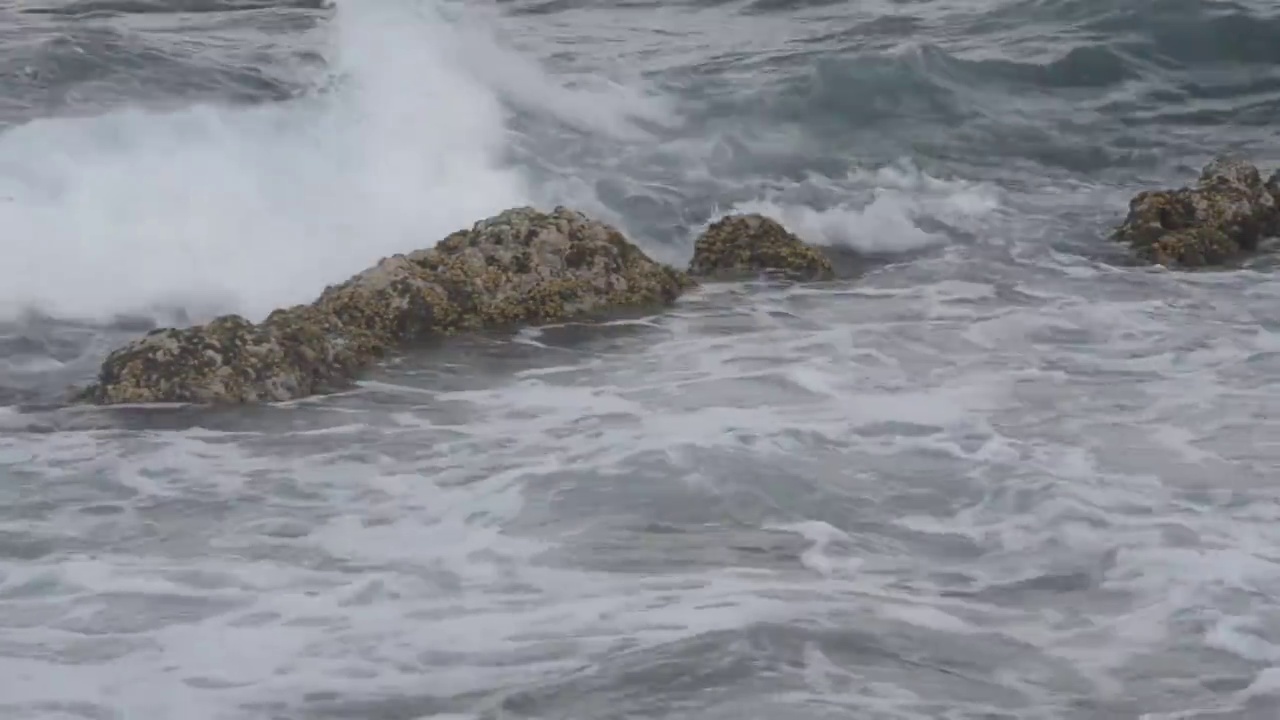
525, 266
521, 266
393, 302
228, 360
745, 245
1224, 216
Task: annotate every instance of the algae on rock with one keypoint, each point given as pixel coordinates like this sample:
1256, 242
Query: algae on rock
520, 266
228, 360
523, 266
745, 245
1223, 217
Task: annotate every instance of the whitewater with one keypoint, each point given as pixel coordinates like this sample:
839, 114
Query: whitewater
1005, 472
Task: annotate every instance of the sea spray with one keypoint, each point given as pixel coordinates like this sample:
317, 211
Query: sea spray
216, 208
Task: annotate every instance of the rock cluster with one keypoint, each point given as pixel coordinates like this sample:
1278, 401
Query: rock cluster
525, 266
1221, 218
521, 266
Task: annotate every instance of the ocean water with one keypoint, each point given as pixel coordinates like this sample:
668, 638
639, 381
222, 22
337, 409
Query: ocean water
1005, 473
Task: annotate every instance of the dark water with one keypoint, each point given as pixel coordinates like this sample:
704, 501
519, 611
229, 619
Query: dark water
1005, 474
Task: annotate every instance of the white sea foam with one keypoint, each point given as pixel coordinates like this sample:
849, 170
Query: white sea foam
888, 220
221, 208
215, 209
409, 559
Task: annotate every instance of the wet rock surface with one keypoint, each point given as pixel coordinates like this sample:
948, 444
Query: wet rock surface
1222, 218
228, 360
747, 245
521, 266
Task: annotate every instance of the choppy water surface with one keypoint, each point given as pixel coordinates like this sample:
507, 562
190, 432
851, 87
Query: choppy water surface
1004, 474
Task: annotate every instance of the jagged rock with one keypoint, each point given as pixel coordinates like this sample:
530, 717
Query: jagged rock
521, 266
228, 360
747, 245
1225, 215
394, 301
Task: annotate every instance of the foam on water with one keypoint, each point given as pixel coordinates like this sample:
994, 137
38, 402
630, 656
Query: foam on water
884, 512
406, 138
888, 221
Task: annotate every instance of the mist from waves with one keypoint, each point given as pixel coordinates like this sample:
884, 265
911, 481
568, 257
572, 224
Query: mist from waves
248, 208
410, 133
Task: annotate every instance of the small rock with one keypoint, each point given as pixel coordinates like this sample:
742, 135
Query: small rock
524, 266
1225, 215
521, 266
228, 360
747, 245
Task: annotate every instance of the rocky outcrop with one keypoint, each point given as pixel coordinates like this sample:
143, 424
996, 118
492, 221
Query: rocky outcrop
521, 266
746, 245
294, 353
1221, 218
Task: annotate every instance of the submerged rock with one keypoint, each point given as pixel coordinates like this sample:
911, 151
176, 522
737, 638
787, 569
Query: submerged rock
746, 245
1225, 215
521, 266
